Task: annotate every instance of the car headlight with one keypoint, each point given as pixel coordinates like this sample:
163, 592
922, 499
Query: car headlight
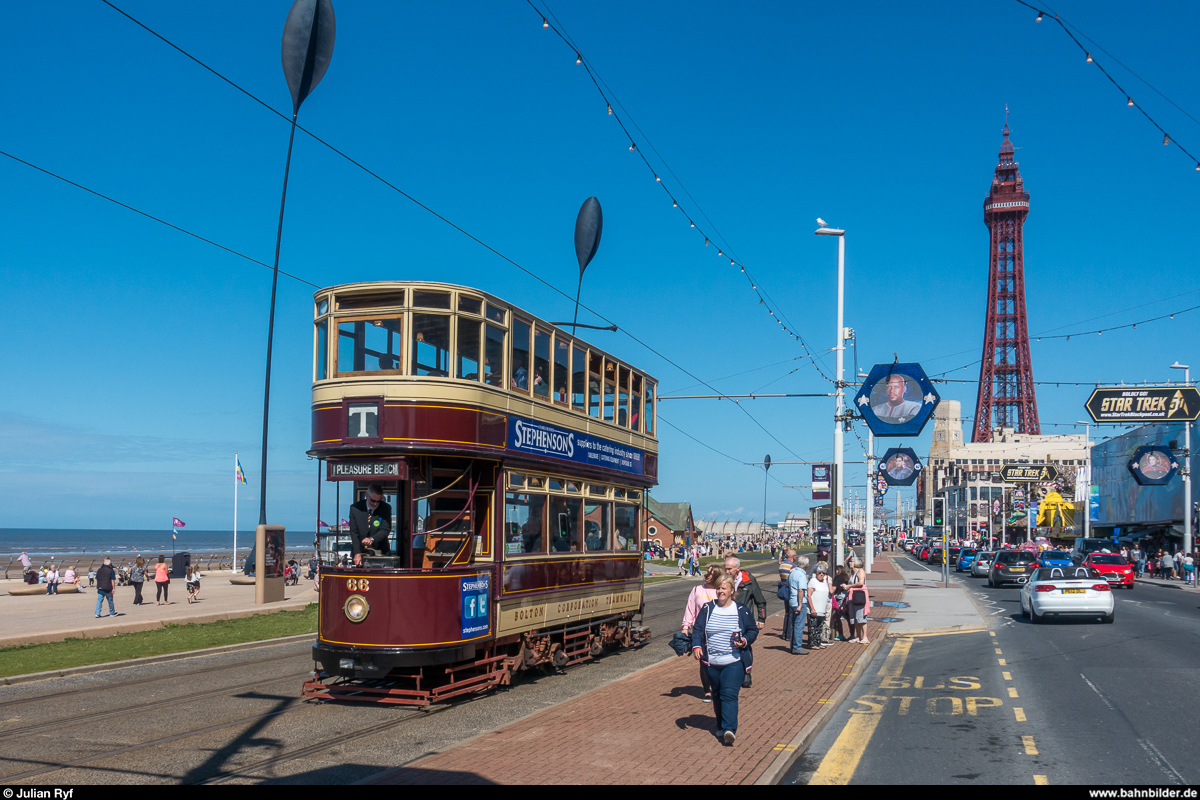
356, 608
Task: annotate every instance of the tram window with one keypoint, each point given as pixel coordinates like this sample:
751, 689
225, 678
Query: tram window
609, 390
564, 524
536, 483
516, 480
541, 363
468, 349
578, 379
520, 355
623, 397
431, 345
595, 366
322, 356
597, 523
494, 313
493, 356
555, 485
562, 370
431, 299
470, 305
626, 525
597, 490
323, 307
650, 408
354, 302
524, 521
369, 346
635, 411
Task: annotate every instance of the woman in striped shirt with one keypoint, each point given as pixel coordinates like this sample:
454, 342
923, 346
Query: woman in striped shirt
721, 640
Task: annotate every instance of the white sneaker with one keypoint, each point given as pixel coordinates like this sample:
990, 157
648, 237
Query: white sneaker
730, 737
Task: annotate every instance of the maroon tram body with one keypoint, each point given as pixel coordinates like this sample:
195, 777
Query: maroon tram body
514, 457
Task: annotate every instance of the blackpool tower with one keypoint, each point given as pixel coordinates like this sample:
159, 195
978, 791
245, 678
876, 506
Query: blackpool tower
1006, 397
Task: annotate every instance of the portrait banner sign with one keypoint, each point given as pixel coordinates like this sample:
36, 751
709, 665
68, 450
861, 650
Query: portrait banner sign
1147, 404
538, 438
896, 399
820, 481
899, 466
1153, 465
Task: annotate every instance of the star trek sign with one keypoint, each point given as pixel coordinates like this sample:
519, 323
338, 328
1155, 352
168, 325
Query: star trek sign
1145, 404
896, 399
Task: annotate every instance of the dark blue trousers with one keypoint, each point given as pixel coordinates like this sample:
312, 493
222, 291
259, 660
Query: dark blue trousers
726, 684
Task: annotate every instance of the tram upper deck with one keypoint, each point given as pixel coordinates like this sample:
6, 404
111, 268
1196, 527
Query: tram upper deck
433, 367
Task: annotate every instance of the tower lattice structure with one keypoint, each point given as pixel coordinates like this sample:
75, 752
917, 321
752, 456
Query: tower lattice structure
1006, 393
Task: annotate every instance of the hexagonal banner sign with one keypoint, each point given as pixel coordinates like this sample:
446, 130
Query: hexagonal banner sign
899, 466
1153, 465
896, 399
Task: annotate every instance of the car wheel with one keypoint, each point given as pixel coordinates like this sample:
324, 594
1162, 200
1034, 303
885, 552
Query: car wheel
1034, 617
1109, 617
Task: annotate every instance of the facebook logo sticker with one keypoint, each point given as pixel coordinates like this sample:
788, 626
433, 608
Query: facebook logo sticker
476, 620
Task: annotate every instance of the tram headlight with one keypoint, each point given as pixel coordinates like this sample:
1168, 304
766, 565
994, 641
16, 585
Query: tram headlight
356, 608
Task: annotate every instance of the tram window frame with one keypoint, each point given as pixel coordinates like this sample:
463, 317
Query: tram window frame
563, 509
561, 346
520, 359
578, 379
648, 417
469, 326
516, 480
635, 402
622, 396
431, 372
431, 299
493, 372
605, 540
470, 305
631, 544
595, 384
494, 313
525, 500
353, 337
321, 350
541, 364
609, 397
362, 301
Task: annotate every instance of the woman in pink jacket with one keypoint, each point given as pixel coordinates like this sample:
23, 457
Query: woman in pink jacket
702, 594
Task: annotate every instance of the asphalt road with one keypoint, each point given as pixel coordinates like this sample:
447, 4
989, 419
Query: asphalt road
1072, 701
238, 717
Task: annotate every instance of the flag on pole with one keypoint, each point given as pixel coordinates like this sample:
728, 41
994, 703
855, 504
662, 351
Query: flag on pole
241, 476
322, 523
176, 522
345, 522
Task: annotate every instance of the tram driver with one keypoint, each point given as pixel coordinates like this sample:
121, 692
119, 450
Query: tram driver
370, 525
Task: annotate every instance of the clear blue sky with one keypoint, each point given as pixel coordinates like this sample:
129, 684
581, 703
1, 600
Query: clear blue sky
133, 354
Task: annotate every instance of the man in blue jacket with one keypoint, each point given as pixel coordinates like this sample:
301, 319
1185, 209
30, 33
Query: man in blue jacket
798, 602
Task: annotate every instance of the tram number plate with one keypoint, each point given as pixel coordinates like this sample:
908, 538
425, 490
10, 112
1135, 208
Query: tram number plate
358, 584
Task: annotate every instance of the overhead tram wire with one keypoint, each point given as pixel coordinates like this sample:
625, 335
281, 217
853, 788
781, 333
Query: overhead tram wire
407, 196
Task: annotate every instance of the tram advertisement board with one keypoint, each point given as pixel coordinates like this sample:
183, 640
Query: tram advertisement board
820, 481
540, 439
476, 607
1145, 404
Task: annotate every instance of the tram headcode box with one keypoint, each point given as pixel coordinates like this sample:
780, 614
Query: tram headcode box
476, 606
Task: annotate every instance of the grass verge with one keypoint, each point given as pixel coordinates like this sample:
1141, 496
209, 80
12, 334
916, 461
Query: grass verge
168, 639
661, 578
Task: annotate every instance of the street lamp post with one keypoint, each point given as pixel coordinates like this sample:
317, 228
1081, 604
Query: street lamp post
840, 399
871, 489
1186, 468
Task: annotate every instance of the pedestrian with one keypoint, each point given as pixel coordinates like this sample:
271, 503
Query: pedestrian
797, 586
192, 584
679, 551
859, 601
785, 569
106, 584
137, 576
1189, 568
749, 594
721, 639
29, 573
839, 600
818, 601
162, 581
1168, 565
700, 596
52, 580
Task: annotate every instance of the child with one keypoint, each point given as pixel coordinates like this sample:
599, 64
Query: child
193, 584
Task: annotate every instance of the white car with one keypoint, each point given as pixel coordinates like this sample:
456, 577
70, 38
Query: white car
983, 563
1067, 591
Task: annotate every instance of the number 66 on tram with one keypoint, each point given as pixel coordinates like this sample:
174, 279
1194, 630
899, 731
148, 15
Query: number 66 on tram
514, 457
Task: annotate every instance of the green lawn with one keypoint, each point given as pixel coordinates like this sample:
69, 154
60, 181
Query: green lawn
661, 578
169, 639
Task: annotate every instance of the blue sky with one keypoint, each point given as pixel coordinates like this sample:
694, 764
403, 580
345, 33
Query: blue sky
134, 353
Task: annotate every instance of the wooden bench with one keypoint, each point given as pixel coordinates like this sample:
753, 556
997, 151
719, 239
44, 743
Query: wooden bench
40, 588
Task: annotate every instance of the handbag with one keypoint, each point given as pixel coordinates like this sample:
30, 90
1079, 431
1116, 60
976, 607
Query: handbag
681, 643
782, 591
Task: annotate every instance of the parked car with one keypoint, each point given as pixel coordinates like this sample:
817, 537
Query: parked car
1113, 567
983, 563
1066, 591
1011, 566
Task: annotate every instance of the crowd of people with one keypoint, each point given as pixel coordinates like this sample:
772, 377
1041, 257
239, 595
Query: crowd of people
107, 577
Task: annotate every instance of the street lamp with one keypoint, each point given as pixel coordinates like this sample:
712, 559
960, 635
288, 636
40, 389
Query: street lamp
1186, 468
871, 490
840, 398
1087, 490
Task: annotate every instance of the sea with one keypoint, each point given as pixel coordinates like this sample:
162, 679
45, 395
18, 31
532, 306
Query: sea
61, 542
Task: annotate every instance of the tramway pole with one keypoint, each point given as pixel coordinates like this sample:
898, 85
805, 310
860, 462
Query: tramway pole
840, 394
307, 47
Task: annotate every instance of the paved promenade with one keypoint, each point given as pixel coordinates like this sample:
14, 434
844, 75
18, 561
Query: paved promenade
653, 727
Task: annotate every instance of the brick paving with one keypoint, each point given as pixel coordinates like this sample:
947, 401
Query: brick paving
652, 727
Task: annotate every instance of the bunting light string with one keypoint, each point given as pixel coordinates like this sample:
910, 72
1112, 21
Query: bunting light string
1129, 101
773, 309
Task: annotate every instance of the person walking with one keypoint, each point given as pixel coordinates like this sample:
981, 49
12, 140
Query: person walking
1168, 565
818, 600
859, 601
797, 589
700, 596
137, 576
682, 557
162, 581
749, 594
106, 583
721, 640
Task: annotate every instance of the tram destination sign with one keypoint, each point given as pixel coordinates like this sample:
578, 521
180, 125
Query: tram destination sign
1028, 473
367, 470
1145, 404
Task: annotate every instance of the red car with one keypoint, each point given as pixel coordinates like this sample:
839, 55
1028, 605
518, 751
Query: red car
923, 554
1113, 567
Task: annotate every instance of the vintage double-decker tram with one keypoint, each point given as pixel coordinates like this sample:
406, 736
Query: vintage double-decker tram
514, 456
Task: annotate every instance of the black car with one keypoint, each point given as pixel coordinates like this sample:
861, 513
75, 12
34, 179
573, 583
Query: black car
1012, 566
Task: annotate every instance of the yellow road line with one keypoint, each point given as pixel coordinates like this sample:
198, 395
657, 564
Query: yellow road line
1012, 692
998, 652
1030, 747
1020, 712
1041, 780
1002, 662
839, 764
1007, 676
993, 633
943, 633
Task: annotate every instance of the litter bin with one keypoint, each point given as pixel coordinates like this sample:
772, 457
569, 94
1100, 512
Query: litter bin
180, 564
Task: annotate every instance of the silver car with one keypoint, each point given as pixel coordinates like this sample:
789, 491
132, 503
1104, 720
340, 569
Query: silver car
1071, 591
983, 563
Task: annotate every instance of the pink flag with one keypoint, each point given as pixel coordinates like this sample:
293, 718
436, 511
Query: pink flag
176, 522
345, 522
322, 523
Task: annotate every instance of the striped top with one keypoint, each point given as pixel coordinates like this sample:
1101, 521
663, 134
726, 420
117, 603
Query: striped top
785, 569
722, 627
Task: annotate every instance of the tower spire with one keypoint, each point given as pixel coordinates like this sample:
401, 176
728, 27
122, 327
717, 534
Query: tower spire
1006, 392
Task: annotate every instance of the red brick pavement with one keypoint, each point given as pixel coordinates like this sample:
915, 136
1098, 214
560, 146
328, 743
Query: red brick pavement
652, 726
